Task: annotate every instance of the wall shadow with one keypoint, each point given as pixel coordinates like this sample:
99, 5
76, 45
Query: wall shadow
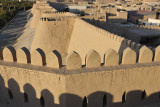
48, 98
99, 99
134, 97
3, 92
15, 96
12, 96
31, 93
70, 100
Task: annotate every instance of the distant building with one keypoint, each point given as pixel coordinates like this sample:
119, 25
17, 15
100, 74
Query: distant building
147, 8
76, 8
135, 16
152, 22
118, 18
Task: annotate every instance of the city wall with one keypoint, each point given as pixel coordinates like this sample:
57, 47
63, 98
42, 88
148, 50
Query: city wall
73, 31
53, 33
115, 72
97, 39
125, 29
34, 83
45, 82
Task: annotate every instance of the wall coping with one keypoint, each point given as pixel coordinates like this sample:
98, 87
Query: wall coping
65, 71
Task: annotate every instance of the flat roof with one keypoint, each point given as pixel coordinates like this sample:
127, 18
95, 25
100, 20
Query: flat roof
141, 12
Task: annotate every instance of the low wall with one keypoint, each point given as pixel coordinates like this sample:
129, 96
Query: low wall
37, 80
124, 85
33, 83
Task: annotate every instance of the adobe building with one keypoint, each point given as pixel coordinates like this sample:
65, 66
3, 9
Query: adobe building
135, 16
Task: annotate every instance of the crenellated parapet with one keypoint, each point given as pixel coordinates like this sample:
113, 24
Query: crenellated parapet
142, 27
74, 60
53, 13
156, 27
56, 18
133, 45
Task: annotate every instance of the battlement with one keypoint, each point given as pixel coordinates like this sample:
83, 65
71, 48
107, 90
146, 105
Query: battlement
135, 84
57, 14
56, 18
74, 61
47, 24
154, 27
128, 43
54, 12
